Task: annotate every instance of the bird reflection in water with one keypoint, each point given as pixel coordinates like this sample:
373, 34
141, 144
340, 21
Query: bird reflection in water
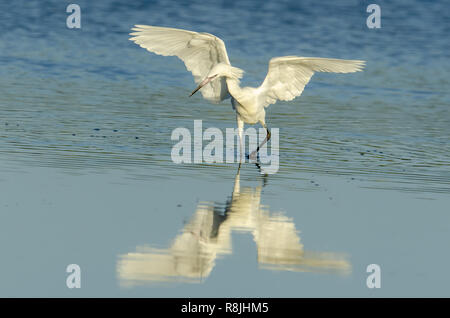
207, 236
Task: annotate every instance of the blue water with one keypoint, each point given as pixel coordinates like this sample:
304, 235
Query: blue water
86, 175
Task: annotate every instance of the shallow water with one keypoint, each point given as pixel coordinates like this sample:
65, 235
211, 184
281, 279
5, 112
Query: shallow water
86, 175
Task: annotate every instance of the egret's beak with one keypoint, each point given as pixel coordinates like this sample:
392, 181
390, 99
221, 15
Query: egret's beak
203, 83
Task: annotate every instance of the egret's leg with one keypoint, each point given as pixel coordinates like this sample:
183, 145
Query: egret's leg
253, 154
240, 124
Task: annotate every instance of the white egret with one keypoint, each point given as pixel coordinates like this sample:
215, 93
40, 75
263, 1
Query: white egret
205, 56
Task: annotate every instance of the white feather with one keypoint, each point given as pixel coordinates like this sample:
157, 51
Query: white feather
200, 52
288, 75
206, 57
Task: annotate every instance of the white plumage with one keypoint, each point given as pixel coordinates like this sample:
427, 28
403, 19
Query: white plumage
199, 52
288, 75
205, 56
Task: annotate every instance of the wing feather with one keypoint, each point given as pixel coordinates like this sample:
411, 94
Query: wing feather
288, 75
200, 52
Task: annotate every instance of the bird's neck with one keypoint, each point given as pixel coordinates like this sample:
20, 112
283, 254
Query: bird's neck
234, 87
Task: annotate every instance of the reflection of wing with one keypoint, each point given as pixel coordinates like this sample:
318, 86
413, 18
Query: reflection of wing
279, 248
288, 75
200, 52
193, 252
278, 241
190, 257
155, 265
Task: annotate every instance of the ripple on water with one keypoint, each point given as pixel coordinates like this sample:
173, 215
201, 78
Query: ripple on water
389, 125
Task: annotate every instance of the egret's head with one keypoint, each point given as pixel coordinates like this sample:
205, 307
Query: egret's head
218, 71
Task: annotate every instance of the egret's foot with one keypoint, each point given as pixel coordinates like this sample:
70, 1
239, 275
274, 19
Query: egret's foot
254, 156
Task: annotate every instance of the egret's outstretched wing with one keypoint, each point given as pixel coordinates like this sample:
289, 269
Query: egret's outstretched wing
288, 75
199, 52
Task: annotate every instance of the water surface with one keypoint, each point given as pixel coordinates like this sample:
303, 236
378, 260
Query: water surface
86, 175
